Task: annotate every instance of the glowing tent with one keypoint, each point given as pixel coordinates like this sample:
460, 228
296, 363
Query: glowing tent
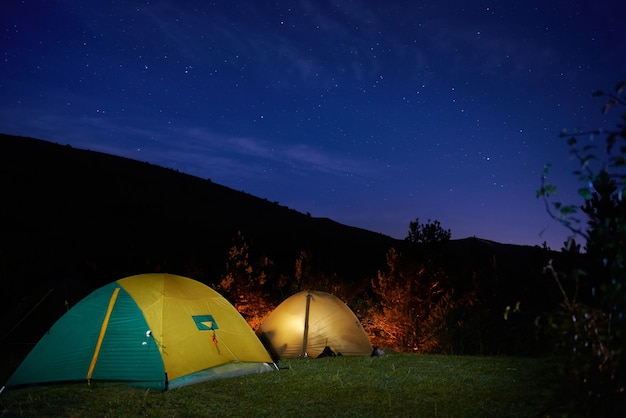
307, 322
155, 330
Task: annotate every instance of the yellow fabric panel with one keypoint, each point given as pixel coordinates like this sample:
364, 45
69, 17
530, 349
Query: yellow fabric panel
171, 302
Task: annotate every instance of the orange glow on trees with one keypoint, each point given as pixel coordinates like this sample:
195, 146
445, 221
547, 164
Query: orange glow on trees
411, 302
243, 284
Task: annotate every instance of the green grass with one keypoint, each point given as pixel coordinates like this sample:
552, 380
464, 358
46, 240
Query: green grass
394, 385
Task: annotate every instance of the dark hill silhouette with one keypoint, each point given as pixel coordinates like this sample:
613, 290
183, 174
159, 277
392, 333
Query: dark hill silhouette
89, 216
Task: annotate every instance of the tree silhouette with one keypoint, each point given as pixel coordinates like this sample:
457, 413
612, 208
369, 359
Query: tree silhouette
429, 234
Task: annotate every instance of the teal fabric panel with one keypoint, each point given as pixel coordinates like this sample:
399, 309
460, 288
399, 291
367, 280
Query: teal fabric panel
129, 352
65, 352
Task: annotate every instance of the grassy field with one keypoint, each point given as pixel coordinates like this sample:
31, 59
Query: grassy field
394, 385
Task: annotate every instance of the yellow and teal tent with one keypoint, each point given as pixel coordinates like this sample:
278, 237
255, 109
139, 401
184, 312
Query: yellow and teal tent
304, 324
155, 330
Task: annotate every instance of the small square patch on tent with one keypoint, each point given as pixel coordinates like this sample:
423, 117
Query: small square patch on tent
205, 322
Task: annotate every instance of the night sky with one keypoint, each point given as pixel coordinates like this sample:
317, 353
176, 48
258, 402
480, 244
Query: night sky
371, 113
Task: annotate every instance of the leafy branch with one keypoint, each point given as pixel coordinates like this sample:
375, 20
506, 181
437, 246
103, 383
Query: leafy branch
614, 166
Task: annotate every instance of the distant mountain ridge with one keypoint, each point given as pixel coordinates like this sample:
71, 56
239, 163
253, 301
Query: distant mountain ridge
63, 203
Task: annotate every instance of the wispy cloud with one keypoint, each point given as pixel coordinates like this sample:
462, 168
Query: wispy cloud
195, 150
269, 39
296, 157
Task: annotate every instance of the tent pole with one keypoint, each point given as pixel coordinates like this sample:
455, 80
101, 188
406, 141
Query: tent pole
103, 330
305, 336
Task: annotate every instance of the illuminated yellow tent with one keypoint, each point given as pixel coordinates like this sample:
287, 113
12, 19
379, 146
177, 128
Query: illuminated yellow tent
155, 330
307, 322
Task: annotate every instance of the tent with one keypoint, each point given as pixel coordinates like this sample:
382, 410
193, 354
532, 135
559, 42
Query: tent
304, 324
154, 330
